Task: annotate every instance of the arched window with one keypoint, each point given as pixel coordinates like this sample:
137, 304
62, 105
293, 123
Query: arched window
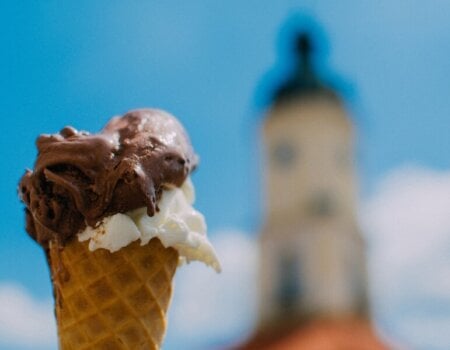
288, 288
284, 154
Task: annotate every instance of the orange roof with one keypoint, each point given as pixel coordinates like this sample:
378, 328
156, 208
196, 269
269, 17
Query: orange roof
320, 335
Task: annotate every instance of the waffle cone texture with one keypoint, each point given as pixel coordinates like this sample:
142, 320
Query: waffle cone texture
114, 300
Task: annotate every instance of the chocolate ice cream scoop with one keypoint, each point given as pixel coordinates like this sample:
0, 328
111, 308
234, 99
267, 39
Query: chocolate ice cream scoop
81, 178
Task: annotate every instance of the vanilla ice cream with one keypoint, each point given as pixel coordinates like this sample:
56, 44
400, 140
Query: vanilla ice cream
177, 225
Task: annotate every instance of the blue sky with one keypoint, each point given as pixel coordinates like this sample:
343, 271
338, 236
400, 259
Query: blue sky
81, 62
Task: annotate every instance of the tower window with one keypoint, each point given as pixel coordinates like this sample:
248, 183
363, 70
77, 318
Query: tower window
288, 289
322, 204
284, 154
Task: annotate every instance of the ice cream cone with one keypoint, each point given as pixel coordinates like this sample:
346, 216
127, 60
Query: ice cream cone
114, 213
114, 300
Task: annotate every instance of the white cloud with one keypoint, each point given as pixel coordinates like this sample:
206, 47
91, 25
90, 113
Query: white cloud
407, 222
25, 321
209, 307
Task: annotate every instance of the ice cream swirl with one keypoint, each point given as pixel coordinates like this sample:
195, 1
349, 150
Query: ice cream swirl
80, 178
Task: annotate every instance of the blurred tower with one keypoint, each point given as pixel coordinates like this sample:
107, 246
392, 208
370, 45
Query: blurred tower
312, 255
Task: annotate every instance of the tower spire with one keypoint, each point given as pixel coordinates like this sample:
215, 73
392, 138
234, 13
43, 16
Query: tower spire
304, 49
304, 79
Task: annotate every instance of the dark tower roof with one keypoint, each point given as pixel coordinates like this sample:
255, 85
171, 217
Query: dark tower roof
304, 82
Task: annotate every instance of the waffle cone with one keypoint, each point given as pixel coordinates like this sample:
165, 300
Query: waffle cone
109, 300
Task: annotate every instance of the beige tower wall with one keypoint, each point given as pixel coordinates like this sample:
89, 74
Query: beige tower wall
311, 226
322, 139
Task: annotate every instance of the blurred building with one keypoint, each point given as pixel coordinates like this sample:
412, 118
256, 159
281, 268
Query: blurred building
313, 280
